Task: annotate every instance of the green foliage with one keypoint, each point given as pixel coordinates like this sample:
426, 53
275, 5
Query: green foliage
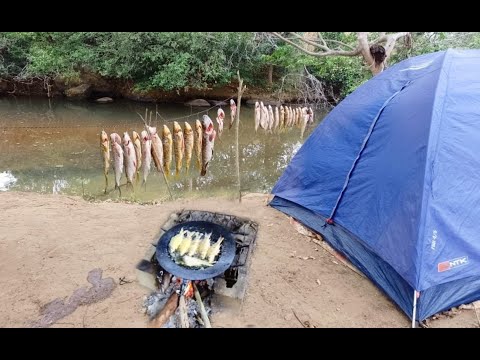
199, 60
168, 61
341, 73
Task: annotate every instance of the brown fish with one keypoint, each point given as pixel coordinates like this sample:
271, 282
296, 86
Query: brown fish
197, 143
138, 150
117, 159
147, 155
208, 142
271, 119
178, 146
188, 141
277, 118
105, 147
167, 149
130, 158
156, 149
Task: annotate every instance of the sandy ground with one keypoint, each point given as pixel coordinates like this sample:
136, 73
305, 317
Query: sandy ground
49, 243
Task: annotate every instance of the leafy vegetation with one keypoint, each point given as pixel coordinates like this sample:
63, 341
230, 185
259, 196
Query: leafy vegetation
198, 60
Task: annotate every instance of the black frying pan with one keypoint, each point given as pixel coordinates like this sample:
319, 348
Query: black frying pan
224, 260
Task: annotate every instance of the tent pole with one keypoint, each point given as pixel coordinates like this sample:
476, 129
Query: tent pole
414, 308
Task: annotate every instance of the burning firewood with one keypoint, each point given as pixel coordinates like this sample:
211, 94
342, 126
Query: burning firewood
201, 308
182, 307
169, 309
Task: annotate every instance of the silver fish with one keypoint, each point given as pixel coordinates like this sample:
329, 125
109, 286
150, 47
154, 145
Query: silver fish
130, 158
220, 118
258, 115
208, 142
117, 159
270, 118
105, 147
233, 112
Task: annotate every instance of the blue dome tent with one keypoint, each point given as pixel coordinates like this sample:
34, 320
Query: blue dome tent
391, 179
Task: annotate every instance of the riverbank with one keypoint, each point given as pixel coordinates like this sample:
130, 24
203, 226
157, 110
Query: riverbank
91, 87
49, 243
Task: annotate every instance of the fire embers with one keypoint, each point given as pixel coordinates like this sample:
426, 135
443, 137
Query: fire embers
178, 306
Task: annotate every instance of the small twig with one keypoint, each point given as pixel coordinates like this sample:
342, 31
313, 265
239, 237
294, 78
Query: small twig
122, 281
300, 321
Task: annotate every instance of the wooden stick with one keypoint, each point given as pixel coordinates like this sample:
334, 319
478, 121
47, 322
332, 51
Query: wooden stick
203, 312
182, 307
241, 89
167, 311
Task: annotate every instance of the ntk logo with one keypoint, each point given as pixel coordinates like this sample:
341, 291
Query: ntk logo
450, 264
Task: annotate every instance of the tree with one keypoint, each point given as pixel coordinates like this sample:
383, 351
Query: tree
375, 53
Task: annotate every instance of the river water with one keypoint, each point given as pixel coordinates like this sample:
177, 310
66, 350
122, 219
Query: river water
52, 146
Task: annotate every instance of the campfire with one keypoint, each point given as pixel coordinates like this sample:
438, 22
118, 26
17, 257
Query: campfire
182, 297
180, 305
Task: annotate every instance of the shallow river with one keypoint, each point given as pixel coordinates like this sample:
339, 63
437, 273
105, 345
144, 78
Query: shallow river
53, 147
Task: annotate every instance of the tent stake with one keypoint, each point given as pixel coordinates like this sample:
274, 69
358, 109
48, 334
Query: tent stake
414, 308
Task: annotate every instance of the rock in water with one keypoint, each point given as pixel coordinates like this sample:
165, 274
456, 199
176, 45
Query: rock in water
198, 102
79, 92
104, 100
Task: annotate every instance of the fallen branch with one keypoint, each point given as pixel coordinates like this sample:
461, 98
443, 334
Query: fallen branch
300, 321
167, 311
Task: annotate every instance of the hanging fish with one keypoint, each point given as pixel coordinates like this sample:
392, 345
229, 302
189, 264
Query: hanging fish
178, 147
197, 143
117, 159
147, 155
220, 118
233, 112
105, 147
188, 141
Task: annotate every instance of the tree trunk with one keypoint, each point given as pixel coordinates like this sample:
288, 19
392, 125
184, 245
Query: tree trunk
270, 75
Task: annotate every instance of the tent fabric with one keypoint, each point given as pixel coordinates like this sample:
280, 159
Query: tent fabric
396, 165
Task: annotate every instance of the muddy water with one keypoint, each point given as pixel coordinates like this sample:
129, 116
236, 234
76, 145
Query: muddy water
53, 147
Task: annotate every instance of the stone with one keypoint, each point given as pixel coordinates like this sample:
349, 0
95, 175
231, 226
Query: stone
198, 102
146, 275
79, 92
217, 103
104, 100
